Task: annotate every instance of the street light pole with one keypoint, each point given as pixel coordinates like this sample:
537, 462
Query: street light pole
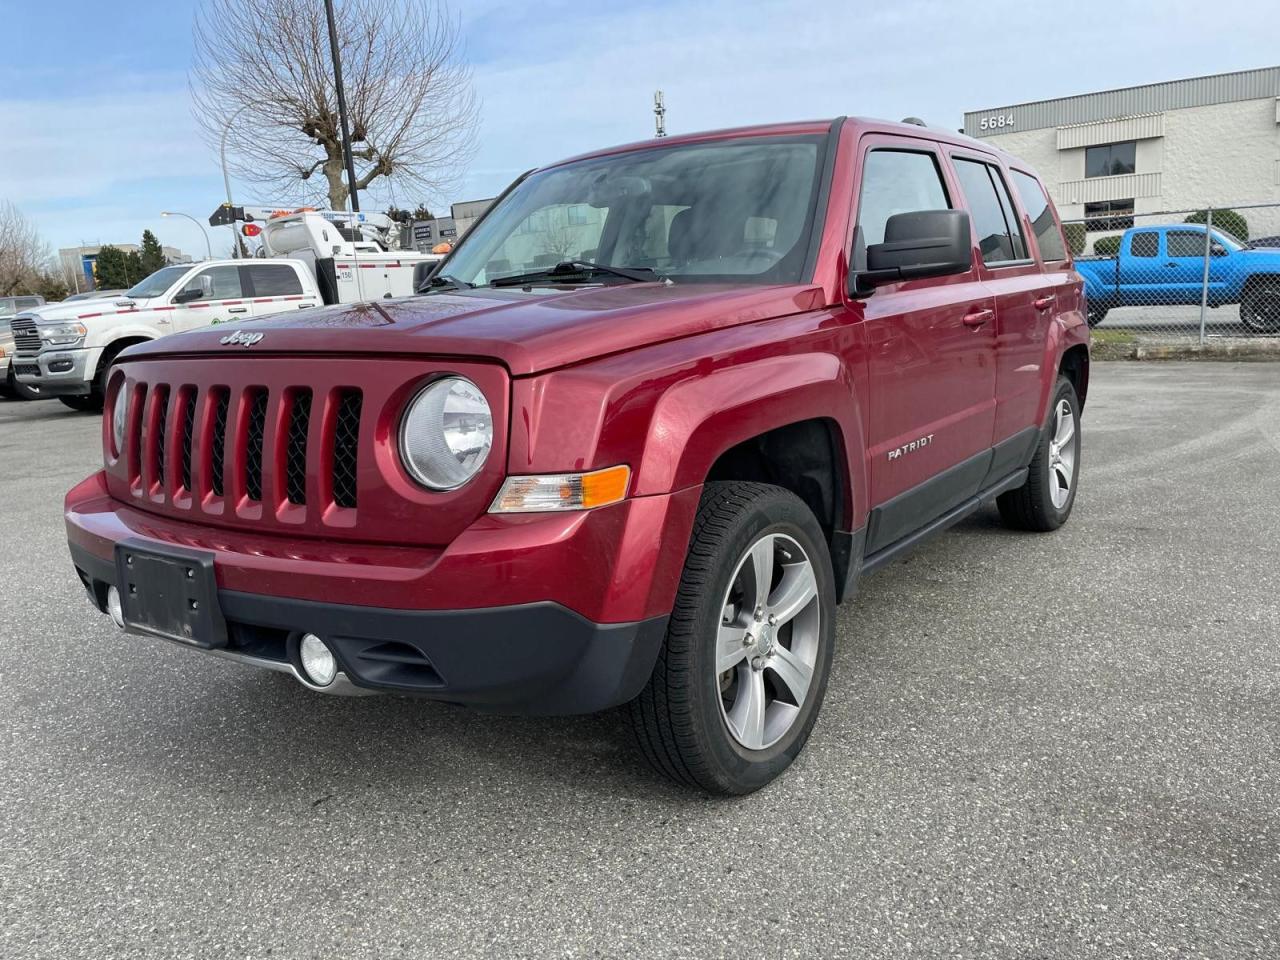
342, 107
226, 178
208, 247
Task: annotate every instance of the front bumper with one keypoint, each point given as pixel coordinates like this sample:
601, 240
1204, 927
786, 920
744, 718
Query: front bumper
542, 615
534, 658
58, 372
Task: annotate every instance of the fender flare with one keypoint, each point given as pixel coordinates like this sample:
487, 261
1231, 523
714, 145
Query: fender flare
698, 419
1069, 330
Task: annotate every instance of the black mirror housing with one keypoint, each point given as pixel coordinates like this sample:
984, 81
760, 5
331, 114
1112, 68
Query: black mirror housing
923, 243
187, 295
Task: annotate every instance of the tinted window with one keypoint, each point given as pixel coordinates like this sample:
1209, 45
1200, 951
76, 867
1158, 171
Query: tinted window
1034, 201
894, 181
1185, 243
1145, 245
274, 280
216, 283
1110, 159
26, 303
987, 210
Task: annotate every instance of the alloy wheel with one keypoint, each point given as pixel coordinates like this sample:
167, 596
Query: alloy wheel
1062, 454
768, 640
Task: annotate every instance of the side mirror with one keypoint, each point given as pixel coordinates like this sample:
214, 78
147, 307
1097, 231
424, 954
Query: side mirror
925, 243
187, 294
1217, 250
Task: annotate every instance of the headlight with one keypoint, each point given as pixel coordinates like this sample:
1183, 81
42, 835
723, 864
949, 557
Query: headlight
62, 333
119, 415
446, 433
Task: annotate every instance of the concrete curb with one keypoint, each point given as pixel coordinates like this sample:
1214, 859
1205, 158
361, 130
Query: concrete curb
1233, 350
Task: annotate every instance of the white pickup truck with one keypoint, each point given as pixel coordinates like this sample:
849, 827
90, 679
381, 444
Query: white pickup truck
64, 350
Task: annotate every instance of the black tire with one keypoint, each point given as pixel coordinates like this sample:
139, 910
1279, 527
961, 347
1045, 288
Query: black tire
86, 403
18, 390
1260, 309
1096, 315
1032, 506
678, 719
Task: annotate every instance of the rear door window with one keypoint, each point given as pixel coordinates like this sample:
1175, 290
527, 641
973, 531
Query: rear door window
1036, 203
991, 209
273, 280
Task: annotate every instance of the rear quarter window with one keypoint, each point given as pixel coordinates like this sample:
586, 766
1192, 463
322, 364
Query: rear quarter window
1043, 224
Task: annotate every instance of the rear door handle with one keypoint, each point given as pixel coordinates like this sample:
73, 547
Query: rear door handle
976, 318
237, 309
1043, 303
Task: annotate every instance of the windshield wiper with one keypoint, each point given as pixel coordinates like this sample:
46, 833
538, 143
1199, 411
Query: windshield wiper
444, 281
571, 271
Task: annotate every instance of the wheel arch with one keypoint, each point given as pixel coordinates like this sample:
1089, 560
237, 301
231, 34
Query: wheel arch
1075, 367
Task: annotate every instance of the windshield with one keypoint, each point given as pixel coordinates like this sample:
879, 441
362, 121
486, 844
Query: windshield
724, 211
1228, 241
158, 282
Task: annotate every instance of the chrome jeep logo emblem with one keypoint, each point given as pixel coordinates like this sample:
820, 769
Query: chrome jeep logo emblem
241, 337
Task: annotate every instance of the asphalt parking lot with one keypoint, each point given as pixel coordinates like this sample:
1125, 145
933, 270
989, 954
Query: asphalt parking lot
1032, 747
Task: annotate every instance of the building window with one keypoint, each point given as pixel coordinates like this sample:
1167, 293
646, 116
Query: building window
1110, 159
1109, 215
578, 214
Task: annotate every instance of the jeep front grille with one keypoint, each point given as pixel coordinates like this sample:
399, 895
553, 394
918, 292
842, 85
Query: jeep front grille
240, 444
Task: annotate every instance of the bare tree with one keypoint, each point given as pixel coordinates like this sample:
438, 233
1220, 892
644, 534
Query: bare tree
263, 76
24, 255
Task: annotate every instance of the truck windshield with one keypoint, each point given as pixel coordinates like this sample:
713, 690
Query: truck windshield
740, 211
158, 282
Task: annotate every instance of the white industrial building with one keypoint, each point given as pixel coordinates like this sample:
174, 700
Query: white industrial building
1175, 146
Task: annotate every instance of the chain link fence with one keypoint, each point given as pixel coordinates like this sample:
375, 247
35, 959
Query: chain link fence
1204, 276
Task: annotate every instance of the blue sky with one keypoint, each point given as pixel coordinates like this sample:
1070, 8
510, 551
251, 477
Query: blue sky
99, 137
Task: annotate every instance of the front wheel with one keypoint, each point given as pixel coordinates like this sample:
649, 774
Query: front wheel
1044, 502
742, 671
86, 403
1260, 309
19, 390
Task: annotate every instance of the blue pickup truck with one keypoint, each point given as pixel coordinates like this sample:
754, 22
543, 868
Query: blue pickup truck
1161, 266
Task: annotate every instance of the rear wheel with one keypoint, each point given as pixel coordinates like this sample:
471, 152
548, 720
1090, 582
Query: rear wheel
1044, 502
741, 675
1260, 308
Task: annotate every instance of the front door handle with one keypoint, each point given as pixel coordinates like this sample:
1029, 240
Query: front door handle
1043, 303
976, 318
237, 309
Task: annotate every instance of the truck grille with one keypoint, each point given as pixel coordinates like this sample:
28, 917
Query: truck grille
265, 464
25, 337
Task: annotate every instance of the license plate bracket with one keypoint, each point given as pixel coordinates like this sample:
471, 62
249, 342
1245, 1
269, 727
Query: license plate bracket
170, 592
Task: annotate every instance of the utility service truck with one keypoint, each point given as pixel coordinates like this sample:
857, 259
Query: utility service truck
307, 258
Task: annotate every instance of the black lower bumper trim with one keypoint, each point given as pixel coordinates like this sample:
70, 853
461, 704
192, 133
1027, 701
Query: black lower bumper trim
530, 658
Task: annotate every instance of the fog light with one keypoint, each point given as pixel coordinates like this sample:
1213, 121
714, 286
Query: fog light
114, 609
318, 664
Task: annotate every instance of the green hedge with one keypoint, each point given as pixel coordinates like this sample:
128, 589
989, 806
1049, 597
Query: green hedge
1226, 220
1075, 237
1107, 246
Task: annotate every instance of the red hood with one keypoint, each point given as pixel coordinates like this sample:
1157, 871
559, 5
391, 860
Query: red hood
527, 332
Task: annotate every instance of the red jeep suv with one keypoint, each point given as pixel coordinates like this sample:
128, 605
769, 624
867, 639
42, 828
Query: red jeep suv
636, 438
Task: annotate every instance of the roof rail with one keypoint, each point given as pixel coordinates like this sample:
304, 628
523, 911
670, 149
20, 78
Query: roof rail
914, 121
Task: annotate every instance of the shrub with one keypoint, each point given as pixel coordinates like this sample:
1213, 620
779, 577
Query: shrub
1227, 220
1075, 234
1106, 246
